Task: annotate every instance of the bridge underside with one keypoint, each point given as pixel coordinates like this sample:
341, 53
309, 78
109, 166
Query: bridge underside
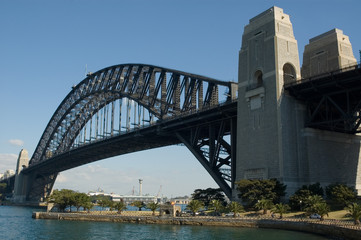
333, 100
206, 134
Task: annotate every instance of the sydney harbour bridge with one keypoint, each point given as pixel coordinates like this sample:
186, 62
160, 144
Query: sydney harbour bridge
132, 107
272, 123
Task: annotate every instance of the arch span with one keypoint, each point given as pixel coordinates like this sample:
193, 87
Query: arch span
157, 106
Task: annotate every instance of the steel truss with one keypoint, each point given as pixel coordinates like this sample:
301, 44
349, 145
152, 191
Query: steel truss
94, 99
214, 147
333, 100
122, 99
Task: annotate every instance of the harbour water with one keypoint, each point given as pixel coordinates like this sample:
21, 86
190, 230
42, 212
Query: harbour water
17, 223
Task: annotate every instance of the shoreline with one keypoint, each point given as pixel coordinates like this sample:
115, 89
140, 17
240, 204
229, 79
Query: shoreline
329, 228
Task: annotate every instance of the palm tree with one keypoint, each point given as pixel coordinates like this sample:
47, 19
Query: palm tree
138, 204
153, 206
311, 203
355, 210
235, 207
216, 206
322, 209
264, 204
281, 209
120, 206
195, 206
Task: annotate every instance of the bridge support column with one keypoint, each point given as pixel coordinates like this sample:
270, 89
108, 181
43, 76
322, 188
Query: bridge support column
273, 138
266, 144
21, 181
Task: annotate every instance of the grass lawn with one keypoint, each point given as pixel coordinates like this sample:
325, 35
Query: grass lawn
338, 215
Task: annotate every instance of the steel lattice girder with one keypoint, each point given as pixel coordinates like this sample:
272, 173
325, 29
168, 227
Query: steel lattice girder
207, 129
333, 100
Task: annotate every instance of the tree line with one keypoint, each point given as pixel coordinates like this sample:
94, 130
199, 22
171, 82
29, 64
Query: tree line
254, 195
66, 199
269, 195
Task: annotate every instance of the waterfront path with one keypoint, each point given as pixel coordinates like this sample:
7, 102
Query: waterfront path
341, 229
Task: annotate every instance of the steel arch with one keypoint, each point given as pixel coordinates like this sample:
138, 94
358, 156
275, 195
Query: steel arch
147, 85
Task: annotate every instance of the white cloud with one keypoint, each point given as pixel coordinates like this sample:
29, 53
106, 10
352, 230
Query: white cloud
16, 142
7, 161
91, 177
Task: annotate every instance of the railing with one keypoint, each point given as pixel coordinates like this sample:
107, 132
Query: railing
327, 74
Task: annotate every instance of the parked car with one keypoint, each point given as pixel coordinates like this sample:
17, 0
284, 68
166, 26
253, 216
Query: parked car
315, 216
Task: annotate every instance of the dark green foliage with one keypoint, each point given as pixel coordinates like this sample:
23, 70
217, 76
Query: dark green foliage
153, 206
315, 189
194, 206
217, 206
81, 200
312, 204
281, 209
106, 202
264, 204
67, 198
207, 195
298, 199
62, 199
250, 191
340, 195
322, 209
138, 204
235, 207
97, 198
120, 206
355, 211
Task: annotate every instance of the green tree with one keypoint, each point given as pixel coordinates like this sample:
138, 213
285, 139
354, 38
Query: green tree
153, 206
80, 200
138, 204
106, 202
235, 207
264, 204
194, 206
355, 211
298, 200
281, 209
88, 206
207, 195
312, 202
322, 209
315, 189
216, 206
340, 195
62, 199
120, 206
250, 191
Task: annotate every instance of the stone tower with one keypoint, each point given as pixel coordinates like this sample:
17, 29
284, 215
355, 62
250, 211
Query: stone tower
20, 182
327, 52
272, 140
268, 59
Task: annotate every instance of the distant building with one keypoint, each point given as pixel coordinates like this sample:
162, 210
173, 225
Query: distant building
8, 173
181, 200
128, 199
146, 199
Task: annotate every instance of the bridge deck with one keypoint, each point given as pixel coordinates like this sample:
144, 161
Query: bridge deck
333, 99
159, 135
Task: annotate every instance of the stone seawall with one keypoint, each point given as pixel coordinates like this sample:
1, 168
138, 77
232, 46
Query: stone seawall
310, 226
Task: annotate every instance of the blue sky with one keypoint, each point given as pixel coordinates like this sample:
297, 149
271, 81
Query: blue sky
45, 46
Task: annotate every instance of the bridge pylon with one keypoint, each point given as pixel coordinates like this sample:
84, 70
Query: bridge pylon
273, 139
